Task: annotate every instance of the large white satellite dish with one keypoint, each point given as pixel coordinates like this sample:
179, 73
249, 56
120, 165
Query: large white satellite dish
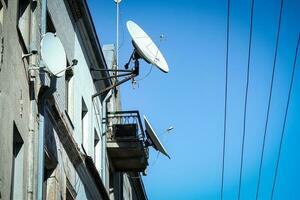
146, 47
154, 139
53, 54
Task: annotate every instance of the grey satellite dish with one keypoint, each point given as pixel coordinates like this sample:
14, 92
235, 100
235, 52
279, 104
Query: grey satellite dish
53, 54
146, 48
154, 141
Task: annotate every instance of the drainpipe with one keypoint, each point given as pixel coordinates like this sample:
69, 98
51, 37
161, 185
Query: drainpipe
33, 60
41, 105
103, 136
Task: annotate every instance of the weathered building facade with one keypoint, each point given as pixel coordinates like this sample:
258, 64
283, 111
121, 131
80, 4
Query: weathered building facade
54, 133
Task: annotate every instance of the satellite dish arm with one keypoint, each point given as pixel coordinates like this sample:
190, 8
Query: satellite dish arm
111, 70
74, 63
115, 76
131, 74
114, 85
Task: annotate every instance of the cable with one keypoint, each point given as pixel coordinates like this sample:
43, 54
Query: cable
285, 117
148, 73
246, 100
269, 101
225, 104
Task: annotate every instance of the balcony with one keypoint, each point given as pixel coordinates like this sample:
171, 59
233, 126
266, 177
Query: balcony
126, 141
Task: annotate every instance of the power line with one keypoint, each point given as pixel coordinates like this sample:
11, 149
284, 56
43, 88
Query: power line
246, 100
269, 101
225, 104
285, 117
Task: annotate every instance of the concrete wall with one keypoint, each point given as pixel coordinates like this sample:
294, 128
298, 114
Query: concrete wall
14, 100
83, 89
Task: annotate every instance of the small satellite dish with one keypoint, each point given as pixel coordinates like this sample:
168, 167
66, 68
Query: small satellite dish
154, 139
146, 48
53, 54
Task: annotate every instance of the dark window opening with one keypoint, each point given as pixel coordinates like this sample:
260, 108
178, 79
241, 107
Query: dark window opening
50, 164
69, 90
84, 122
17, 165
50, 26
23, 24
70, 191
111, 181
1, 15
96, 140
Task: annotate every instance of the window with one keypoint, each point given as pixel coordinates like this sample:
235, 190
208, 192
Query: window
1, 14
50, 26
69, 92
1, 31
50, 164
84, 124
23, 24
69, 195
111, 182
70, 191
96, 141
17, 165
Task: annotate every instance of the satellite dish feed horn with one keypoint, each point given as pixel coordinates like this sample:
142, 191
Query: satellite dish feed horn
153, 140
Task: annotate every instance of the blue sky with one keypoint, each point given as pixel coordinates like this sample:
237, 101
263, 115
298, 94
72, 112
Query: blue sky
191, 96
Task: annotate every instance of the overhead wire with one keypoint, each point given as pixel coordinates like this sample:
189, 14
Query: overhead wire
285, 118
225, 102
246, 100
269, 100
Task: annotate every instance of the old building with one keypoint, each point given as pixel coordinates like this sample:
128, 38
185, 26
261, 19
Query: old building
58, 140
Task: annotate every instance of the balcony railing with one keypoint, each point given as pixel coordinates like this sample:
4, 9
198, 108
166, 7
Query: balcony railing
125, 125
126, 141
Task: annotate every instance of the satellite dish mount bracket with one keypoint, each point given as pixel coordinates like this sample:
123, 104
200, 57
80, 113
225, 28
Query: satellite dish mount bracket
129, 73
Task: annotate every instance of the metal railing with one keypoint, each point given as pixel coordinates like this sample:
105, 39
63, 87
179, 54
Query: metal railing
126, 118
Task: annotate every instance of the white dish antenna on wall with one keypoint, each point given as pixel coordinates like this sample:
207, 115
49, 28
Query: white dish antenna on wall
53, 54
146, 48
153, 140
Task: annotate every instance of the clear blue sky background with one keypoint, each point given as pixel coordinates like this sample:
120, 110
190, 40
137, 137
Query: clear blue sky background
191, 96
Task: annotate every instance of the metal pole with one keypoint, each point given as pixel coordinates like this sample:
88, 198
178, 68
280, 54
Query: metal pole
41, 131
114, 85
32, 80
117, 48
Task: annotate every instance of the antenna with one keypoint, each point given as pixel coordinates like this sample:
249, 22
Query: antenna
153, 140
53, 54
117, 31
144, 48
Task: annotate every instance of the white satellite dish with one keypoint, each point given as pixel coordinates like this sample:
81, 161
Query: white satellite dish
146, 47
53, 54
155, 142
